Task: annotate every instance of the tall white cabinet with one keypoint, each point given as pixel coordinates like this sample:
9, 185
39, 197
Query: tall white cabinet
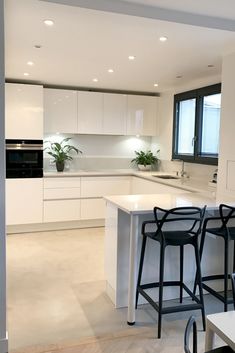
60, 111
24, 111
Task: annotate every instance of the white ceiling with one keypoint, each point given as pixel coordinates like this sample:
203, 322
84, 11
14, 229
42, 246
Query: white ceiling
84, 44
217, 8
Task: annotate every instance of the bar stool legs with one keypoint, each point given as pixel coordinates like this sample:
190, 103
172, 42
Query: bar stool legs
159, 306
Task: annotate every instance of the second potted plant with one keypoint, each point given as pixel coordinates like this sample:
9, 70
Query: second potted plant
145, 160
61, 152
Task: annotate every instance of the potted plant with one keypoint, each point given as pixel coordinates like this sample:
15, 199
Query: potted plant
145, 160
61, 152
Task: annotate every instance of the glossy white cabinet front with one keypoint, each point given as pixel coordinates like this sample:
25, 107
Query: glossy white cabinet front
90, 112
24, 201
115, 114
142, 115
24, 111
60, 111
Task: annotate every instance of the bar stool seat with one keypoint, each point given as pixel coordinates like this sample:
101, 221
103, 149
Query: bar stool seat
226, 231
176, 227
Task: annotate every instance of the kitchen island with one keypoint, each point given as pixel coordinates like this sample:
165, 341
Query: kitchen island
124, 216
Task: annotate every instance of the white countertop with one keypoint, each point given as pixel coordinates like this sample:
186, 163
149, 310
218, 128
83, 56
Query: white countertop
140, 204
188, 184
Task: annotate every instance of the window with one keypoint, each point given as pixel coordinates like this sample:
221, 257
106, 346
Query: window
196, 125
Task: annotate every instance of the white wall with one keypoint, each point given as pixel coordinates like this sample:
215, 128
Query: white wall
3, 339
226, 173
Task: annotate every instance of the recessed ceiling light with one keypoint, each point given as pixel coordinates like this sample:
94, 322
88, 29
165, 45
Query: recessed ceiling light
131, 57
26, 74
110, 71
37, 46
95, 79
210, 65
30, 63
163, 39
155, 84
49, 22
179, 76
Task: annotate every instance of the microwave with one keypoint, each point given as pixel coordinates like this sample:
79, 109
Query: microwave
24, 158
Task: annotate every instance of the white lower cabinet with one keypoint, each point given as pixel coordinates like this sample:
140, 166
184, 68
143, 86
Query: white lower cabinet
108, 185
92, 208
61, 199
142, 186
61, 210
24, 201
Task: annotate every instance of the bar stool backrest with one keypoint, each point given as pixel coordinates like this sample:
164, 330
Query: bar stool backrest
191, 216
191, 323
226, 213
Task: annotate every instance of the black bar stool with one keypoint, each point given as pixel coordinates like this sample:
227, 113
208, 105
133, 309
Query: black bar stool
227, 233
186, 222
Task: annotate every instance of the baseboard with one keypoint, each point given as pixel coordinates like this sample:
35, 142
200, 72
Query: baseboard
43, 227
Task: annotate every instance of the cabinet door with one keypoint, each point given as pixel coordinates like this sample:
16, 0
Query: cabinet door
142, 115
24, 201
92, 209
61, 210
141, 186
60, 111
115, 113
101, 186
90, 112
24, 111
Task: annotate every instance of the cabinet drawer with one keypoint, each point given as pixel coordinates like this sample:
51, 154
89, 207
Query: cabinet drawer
92, 209
61, 210
61, 193
64, 182
101, 186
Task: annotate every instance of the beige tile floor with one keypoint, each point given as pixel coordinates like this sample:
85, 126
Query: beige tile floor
56, 295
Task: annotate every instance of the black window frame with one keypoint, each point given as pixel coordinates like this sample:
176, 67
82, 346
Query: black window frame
198, 94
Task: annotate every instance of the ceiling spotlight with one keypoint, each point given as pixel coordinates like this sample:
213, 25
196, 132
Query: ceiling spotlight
26, 74
48, 23
30, 63
131, 57
37, 46
179, 76
210, 65
155, 84
110, 71
95, 79
163, 39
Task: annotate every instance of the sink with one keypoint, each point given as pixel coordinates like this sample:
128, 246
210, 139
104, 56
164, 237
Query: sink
165, 176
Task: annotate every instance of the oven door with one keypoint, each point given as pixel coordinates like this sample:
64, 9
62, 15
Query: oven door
24, 159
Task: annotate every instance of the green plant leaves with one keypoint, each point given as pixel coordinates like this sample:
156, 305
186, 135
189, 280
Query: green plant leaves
145, 158
61, 151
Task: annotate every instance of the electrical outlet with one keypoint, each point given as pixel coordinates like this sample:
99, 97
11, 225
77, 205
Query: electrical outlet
51, 162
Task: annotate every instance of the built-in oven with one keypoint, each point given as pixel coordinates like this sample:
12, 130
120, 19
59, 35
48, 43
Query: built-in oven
24, 158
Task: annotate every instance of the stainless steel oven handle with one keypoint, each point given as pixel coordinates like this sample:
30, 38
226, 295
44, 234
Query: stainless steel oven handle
16, 147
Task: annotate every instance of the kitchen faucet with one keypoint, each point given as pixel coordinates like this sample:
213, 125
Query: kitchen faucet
182, 173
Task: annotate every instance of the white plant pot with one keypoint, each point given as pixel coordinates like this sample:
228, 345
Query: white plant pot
144, 167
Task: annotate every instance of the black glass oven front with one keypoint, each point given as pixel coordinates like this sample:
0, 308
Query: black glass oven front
24, 158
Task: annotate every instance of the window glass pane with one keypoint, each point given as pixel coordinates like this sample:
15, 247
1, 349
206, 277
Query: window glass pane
186, 124
211, 124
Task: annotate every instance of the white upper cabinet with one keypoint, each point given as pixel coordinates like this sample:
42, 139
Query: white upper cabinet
90, 112
142, 115
60, 111
24, 111
115, 113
